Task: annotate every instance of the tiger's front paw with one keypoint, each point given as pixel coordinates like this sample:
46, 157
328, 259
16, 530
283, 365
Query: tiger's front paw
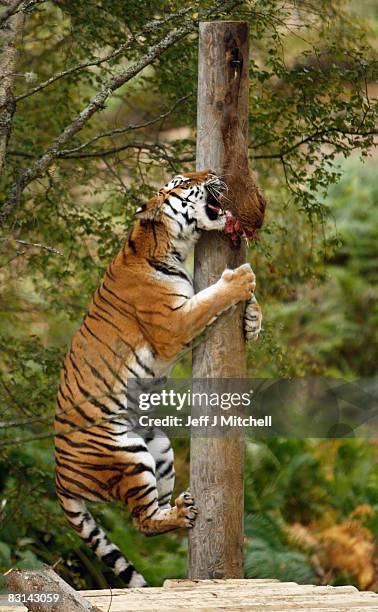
239, 283
186, 510
252, 320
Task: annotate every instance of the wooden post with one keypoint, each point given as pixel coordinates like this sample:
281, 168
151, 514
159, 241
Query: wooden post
216, 466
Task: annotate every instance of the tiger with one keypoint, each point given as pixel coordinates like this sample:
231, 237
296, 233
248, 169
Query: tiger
142, 317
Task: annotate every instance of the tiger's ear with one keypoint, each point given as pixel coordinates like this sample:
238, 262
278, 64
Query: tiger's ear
152, 210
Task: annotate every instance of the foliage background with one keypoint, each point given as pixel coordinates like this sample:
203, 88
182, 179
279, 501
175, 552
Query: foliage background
311, 505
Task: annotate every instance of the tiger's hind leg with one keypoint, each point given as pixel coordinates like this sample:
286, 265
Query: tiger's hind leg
160, 448
85, 526
153, 520
139, 489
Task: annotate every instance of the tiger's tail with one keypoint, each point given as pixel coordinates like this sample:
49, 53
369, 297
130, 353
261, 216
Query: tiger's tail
95, 537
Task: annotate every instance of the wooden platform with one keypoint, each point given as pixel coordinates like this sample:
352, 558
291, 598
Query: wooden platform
254, 595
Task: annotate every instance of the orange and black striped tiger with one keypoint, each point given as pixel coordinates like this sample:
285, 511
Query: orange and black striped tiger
140, 319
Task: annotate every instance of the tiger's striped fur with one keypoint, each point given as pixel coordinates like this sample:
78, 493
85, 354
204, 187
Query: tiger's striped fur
140, 319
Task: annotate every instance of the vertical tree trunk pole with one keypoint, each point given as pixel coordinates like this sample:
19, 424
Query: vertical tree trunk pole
216, 466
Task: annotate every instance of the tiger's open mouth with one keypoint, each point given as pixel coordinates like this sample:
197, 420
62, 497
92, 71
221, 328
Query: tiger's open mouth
215, 189
213, 206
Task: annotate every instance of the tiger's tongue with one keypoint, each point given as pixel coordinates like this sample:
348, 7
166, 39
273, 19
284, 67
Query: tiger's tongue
214, 208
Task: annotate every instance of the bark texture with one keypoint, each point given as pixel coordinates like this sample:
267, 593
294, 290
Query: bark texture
216, 471
10, 32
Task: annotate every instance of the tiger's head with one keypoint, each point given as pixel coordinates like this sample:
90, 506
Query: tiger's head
188, 203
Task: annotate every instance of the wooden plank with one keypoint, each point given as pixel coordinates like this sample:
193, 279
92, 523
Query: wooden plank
234, 594
274, 588
243, 582
158, 604
237, 595
255, 584
253, 595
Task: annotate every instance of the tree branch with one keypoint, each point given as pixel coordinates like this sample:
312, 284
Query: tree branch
17, 153
116, 131
98, 102
148, 28
19, 6
35, 244
8, 60
316, 137
10, 11
45, 580
106, 152
141, 146
157, 147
